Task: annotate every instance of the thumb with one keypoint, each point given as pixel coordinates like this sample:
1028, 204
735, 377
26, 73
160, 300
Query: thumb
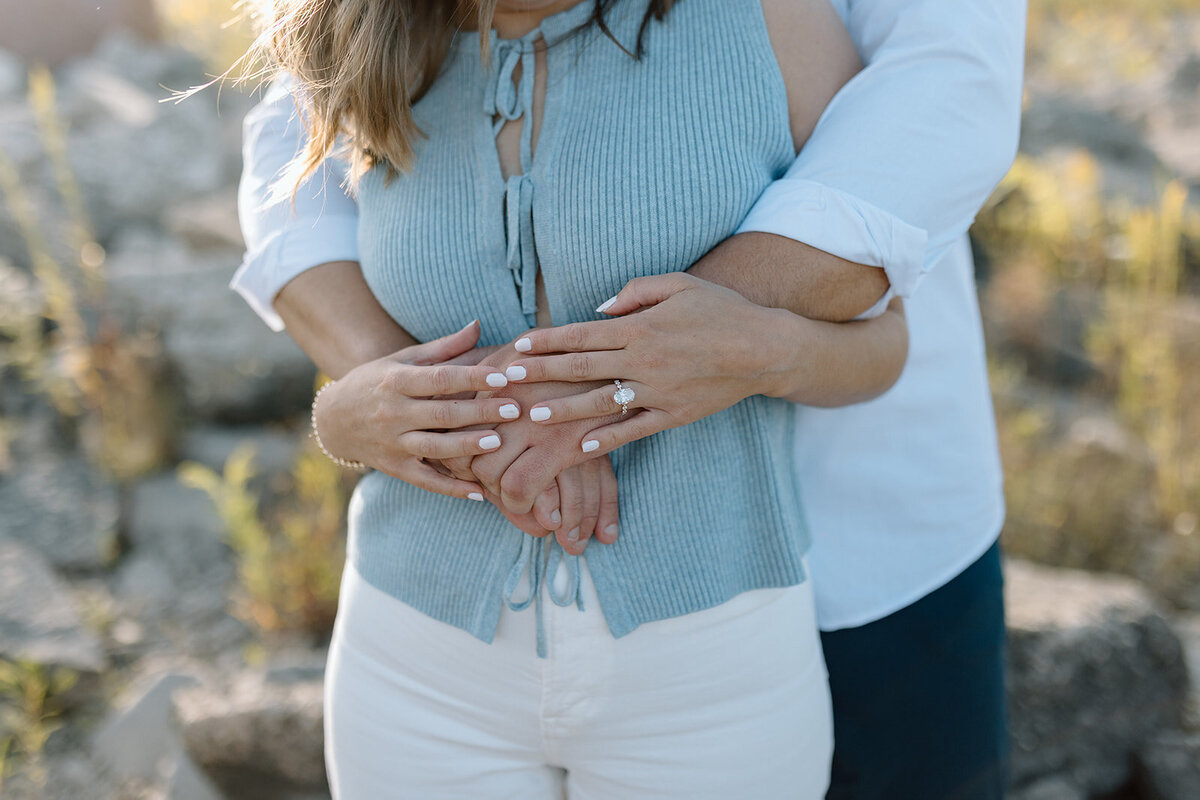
444, 348
644, 292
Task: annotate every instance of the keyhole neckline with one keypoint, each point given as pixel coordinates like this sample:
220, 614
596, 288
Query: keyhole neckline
551, 28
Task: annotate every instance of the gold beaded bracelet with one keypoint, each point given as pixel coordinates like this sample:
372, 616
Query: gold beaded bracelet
340, 461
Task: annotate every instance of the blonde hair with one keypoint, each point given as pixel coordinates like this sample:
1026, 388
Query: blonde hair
361, 64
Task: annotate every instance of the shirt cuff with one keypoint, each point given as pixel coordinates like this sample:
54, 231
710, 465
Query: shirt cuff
286, 254
842, 225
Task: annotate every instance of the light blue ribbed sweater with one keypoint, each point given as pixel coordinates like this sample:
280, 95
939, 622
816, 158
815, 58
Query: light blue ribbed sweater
640, 169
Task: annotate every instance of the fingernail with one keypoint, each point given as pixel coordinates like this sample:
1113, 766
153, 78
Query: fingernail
606, 304
475, 496
590, 445
573, 535
469, 324
497, 380
555, 517
490, 442
509, 411
523, 344
611, 530
515, 373
539, 414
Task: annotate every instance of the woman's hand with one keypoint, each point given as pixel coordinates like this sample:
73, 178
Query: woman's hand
693, 349
387, 413
537, 470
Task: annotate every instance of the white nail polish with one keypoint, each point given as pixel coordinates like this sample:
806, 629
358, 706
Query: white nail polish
475, 496
555, 517
611, 530
573, 535
509, 411
497, 380
515, 373
523, 345
607, 304
539, 414
590, 445
490, 442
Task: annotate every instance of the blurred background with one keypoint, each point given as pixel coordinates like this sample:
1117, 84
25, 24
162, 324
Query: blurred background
171, 540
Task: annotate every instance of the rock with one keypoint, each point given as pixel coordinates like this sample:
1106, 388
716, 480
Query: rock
211, 445
1053, 788
208, 222
143, 581
188, 782
55, 30
256, 739
1053, 123
137, 738
1094, 671
1169, 767
37, 620
59, 504
12, 76
176, 523
133, 174
234, 368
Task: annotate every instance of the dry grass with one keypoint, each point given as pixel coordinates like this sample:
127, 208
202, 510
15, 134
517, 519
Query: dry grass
289, 559
1091, 332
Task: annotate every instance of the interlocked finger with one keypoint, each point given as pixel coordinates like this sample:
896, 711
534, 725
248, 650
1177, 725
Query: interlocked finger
426, 444
445, 414
599, 402
573, 367
426, 477
545, 508
445, 379
571, 505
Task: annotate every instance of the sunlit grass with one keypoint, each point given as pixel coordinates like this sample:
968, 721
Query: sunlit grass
217, 30
1102, 465
30, 710
289, 560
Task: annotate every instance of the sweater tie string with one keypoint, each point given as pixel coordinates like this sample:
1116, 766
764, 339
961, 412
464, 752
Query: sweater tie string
542, 556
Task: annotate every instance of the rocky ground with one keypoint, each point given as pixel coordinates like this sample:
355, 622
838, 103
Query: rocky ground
128, 584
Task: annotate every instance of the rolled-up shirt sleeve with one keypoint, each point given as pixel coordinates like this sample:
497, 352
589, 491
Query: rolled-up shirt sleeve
908, 151
284, 238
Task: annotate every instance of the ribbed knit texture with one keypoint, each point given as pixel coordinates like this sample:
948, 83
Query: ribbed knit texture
640, 168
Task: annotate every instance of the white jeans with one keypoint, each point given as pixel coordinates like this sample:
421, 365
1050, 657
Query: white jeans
729, 702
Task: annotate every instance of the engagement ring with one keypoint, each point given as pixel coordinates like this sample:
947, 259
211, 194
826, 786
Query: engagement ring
623, 396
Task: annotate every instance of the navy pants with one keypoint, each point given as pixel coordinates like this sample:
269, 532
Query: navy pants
919, 707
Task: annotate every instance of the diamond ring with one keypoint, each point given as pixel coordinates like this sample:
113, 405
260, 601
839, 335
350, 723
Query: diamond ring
623, 396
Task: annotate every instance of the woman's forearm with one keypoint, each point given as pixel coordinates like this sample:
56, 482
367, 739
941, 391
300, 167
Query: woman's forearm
332, 315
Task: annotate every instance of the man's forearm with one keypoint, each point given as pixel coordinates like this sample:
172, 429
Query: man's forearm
778, 272
331, 313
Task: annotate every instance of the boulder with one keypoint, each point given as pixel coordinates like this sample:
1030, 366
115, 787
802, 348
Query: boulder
208, 222
38, 621
137, 739
256, 738
176, 523
131, 173
59, 504
51, 31
274, 447
12, 76
1095, 670
1053, 788
234, 368
1169, 767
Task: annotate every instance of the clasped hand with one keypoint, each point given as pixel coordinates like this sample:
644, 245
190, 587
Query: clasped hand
693, 348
